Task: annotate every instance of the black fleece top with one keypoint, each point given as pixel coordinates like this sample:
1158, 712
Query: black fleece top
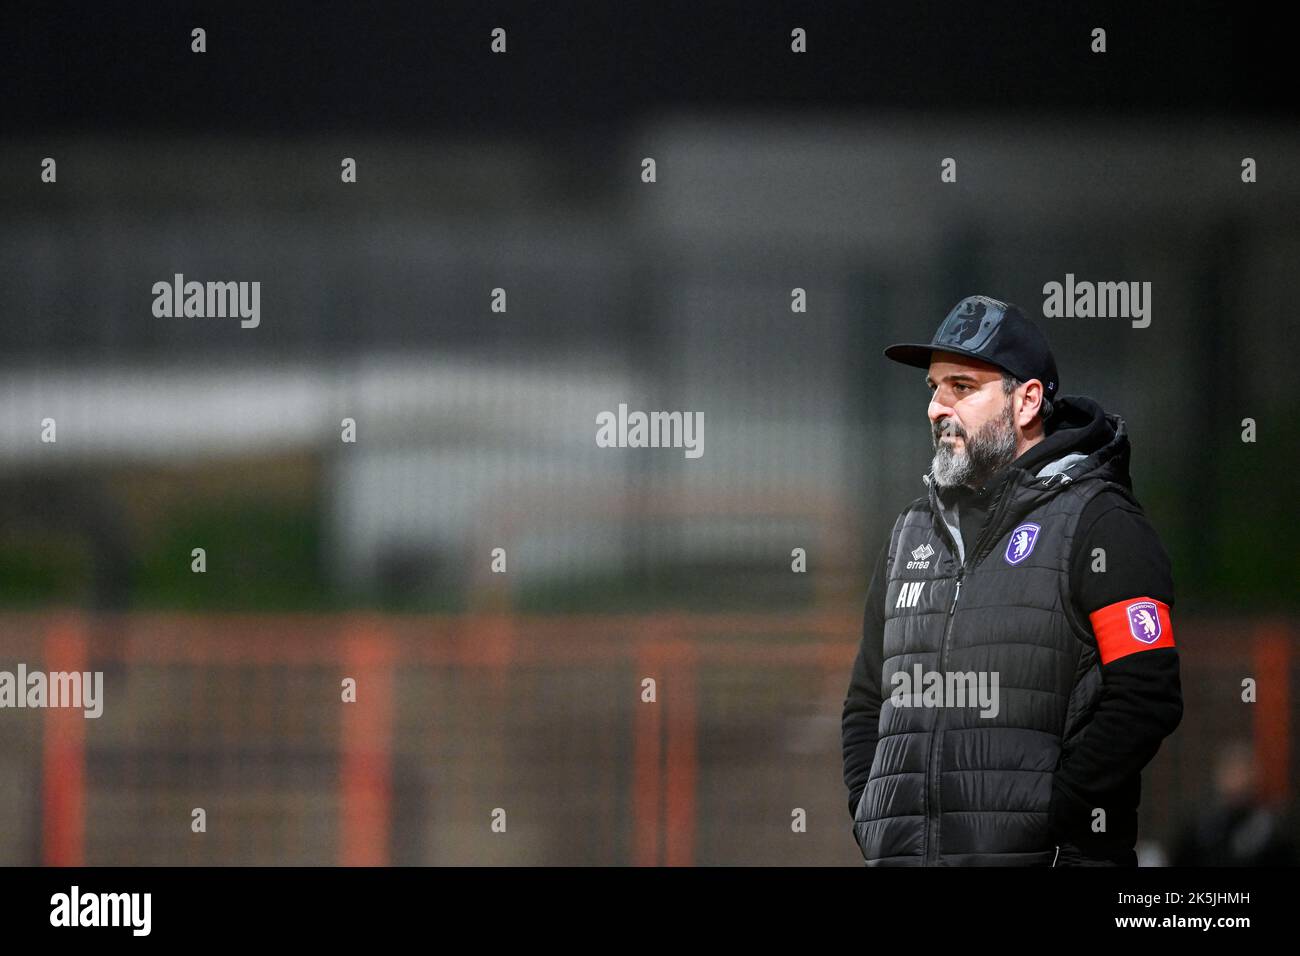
1142, 694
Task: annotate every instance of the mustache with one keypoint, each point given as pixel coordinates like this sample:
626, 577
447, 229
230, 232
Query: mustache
947, 427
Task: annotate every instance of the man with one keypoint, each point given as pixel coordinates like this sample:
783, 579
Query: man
1028, 562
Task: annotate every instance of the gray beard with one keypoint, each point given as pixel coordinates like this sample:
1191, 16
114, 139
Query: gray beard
983, 454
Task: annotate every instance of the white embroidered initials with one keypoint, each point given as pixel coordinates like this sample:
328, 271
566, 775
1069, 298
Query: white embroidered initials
909, 593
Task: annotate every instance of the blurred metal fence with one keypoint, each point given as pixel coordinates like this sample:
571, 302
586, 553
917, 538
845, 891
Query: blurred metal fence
458, 718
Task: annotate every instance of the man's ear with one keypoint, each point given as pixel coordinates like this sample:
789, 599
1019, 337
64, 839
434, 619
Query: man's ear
1033, 393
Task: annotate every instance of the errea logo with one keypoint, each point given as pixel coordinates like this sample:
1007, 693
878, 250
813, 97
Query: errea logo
920, 558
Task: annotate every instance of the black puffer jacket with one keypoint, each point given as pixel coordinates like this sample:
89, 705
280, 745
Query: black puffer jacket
1023, 602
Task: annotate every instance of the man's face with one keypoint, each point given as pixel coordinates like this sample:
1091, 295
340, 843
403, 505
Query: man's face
971, 420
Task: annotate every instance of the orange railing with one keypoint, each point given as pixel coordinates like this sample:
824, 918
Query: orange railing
678, 650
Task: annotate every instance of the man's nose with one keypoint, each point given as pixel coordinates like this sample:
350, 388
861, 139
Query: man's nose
938, 411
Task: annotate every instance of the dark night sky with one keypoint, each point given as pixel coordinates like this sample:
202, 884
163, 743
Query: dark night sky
421, 66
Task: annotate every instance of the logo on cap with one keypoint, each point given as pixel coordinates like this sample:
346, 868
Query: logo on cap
1144, 621
970, 324
1022, 542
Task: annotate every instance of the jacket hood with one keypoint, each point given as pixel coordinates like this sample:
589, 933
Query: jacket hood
1084, 441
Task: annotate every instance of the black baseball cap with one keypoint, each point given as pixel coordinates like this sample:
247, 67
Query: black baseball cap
993, 331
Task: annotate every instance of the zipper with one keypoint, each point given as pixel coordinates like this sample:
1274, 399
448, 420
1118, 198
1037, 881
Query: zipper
928, 852
932, 778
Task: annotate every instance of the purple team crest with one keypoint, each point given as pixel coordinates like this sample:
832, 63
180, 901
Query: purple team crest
1144, 621
1022, 542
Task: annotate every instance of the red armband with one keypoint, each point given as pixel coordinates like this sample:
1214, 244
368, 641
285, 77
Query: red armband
1132, 625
